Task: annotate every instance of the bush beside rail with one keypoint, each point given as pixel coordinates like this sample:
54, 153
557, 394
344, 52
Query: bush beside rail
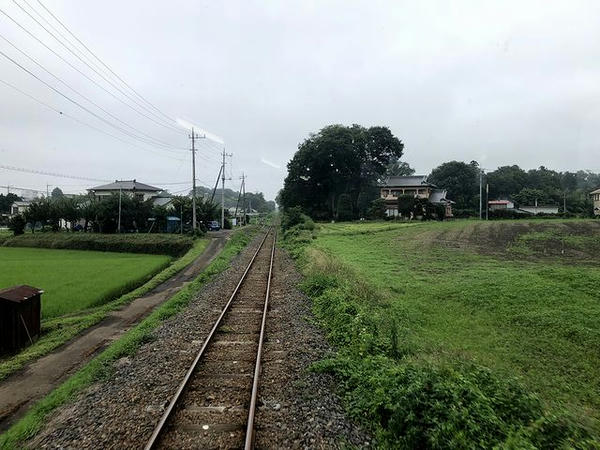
161, 244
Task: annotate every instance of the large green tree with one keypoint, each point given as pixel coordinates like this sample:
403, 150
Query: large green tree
337, 160
506, 181
461, 180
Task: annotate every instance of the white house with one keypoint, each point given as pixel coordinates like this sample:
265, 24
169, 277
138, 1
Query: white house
19, 207
134, 189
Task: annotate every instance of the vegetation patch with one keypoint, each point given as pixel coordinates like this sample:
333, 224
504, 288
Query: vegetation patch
101, 367
73, 280
442, 346
58, 330
160, 244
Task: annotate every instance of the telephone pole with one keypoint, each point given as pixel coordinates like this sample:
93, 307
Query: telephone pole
487, 196
119, 222
244, 196
223, 189
193, 137
480, 193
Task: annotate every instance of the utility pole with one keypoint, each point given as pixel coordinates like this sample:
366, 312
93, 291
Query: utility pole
223, 189
237, 204
480, 193
181, 220
565, 202
47, 190
487, 196
244, 198
193, 137
193, 180
119, 222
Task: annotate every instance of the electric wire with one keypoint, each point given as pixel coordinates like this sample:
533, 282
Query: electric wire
159, 142
73, 67
41, 102
94, 70
102, 62
122, 130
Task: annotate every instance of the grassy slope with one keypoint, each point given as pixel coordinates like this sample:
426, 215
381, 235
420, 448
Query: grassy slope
73, 279
59, 330
539, 320
101, 366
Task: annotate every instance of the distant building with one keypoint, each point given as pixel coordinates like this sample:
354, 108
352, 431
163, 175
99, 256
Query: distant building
539, 209
495, 205
414, 185
19, 207
134, 189
595, 195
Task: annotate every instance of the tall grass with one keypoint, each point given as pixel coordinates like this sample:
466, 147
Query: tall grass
443, 347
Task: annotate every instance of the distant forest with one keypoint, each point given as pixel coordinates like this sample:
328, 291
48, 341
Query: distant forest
254, 200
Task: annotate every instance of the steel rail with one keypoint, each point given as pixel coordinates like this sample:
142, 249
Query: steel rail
249, 443
165, 417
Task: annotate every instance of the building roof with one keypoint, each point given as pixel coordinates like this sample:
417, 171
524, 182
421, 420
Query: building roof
407, 181
597, 191
18, 294
439, 196
22, 203
126, 185
499, 202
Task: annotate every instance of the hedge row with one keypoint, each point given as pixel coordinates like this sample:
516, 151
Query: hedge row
160, 244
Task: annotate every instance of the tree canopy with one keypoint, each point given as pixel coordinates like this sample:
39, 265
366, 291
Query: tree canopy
524, 187
338, 160
460, 179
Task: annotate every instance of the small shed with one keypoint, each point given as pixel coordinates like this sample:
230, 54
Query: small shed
20, 316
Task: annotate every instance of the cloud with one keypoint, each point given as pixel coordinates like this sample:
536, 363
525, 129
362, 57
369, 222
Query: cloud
269, 163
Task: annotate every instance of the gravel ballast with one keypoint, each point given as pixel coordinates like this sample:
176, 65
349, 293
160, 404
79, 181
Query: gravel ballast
297, 408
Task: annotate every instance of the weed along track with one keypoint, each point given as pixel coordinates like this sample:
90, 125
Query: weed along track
215, 403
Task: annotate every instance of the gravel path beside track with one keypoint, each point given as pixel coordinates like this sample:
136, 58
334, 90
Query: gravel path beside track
297, 409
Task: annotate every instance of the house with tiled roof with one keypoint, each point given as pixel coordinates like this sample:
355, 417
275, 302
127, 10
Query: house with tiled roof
414, 185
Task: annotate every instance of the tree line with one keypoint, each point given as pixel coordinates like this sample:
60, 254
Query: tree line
102, 215
336, 173
524, 187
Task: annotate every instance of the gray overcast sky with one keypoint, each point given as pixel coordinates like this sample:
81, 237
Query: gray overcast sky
499, 82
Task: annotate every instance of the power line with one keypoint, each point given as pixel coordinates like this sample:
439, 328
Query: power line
75, 68
122, 130
82, 95
94, 70
102, 62
51, 174
83, 122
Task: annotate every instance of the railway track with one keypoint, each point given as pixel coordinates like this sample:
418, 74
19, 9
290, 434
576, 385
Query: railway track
215, 403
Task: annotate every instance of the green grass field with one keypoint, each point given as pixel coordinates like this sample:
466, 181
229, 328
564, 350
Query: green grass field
73, 280
518, 299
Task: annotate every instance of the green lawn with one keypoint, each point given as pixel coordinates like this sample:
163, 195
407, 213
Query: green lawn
443, 294
72, 279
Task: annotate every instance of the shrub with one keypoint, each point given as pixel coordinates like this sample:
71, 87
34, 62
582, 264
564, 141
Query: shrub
17, 224
162, 244
377, 209
291, 217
